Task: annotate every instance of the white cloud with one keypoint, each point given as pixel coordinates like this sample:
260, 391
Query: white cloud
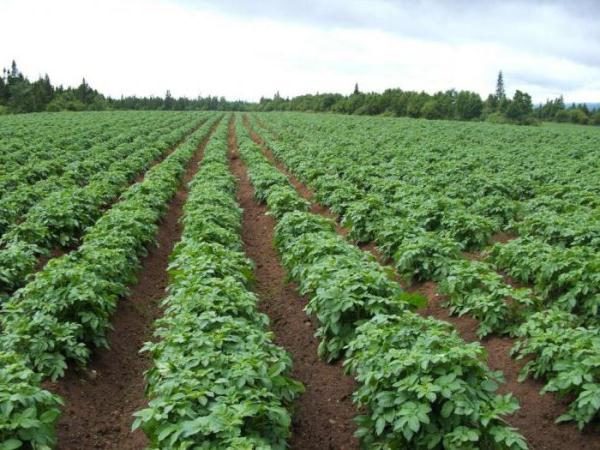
144, 47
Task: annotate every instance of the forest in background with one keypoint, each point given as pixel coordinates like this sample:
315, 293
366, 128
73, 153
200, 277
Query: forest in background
20, 95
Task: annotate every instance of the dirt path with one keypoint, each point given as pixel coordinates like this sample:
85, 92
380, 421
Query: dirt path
99, 404
322, 418
535, 419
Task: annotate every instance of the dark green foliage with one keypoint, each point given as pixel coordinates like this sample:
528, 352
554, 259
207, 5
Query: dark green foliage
520, 108
28, 413
218, 380
420, 385
468, 105
463, 105
567, 355
65, 310
425, 388
19, 95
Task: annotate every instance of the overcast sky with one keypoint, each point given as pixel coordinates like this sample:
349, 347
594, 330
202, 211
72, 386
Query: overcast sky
248, 49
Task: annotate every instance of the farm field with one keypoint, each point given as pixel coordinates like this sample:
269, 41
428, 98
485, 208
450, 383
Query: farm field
185, 280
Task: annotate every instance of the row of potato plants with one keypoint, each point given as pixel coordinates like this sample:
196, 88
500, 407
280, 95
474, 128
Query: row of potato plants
559, 229
36, 146
568, 278
64, 312
565, 281
28, 413
371, 186
415, 236
561, 343
60, 218
557, 348
425, 237
563, 278
82, 168
31, 150
420, 385
405, 162
218, 380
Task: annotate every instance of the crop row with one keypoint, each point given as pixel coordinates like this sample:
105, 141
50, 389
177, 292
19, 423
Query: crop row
426, 234
35, 147
59, 219
420, 384
64, 312
82, 167
383, 197
479, 174
31, 150
218, 380
425, 237
28, 413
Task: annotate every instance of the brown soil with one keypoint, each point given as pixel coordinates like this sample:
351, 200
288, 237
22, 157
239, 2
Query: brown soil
99, 403
302, 189
503, 237
474, 256
323, 415
56, 252
466, 325
535, 419
140, 177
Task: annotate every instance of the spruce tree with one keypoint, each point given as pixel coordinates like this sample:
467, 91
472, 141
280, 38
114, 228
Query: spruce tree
500, 93
14, 71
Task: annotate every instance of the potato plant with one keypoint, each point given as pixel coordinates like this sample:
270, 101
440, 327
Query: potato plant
28, 413
419, 384
218, 380
64, 311
59, 219
566, 354
425, 193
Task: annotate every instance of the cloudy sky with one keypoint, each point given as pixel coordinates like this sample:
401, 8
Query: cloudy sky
247, 49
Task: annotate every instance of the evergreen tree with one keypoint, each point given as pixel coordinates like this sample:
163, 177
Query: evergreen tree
85, 94
500, 93
356, 91
169, 101
43, 92
14, 71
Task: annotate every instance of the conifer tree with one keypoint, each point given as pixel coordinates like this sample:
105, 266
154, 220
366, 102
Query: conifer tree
500, 93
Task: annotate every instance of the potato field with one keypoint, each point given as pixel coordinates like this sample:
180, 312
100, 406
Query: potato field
203, 280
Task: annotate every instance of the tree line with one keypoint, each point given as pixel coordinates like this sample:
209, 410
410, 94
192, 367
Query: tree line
20, 95
450, 104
